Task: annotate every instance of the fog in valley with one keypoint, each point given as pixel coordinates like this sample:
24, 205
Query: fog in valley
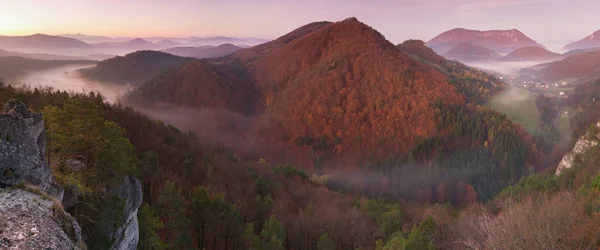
68, 79
506, 68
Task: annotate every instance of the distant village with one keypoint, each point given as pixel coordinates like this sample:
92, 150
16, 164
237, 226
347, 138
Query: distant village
533, 84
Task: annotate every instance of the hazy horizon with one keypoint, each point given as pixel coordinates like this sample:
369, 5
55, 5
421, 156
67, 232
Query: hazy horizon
546, 21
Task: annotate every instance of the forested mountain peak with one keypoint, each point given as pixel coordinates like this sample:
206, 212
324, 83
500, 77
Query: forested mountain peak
340, 97
419, 50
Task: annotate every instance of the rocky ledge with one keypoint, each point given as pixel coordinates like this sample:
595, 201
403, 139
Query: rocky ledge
581, 146
33, 221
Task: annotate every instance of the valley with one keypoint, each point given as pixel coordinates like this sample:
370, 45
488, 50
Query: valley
330, 136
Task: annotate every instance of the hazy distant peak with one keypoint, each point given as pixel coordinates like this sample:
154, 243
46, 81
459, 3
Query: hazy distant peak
531, 53
590, 41
501, 41
138, 40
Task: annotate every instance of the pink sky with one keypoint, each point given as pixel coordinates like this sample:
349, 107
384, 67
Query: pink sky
547, 21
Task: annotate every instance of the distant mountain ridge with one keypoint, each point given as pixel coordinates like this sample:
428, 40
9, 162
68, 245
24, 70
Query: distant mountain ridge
531, 54
590, 41
189, 41
579, 67
501, 41
43, 56
134, 68
40, 41
134, 44
470, 52
203, 51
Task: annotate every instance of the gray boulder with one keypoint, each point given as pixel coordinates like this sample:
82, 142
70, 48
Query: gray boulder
33, 221
22, 146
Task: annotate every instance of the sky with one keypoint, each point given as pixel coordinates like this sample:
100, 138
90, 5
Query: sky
546, 21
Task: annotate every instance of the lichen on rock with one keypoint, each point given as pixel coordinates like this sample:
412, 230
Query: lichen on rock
32, 221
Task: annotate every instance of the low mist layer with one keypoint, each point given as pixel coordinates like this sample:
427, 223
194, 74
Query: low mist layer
68, 79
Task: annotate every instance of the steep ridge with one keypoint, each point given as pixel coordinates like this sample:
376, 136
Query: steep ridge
531, 54
501, 41
133, 68
477, 86
591, 41
469, 52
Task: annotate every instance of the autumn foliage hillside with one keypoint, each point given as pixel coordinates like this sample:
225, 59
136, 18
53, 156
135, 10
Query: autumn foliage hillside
340, 83
418, 50
340, 98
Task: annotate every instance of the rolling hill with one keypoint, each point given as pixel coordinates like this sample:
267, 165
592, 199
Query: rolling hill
591, 41
41, 56
167, 44
12, 67
133, 68
134, 44
466, 52
531, 54
574, 68
38, 41
203, 51
501, 41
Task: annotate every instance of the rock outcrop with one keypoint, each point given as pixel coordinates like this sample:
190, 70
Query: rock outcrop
581, 147
126, 237
33, 221
22, 147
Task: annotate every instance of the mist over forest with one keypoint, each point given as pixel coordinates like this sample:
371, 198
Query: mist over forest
177, 131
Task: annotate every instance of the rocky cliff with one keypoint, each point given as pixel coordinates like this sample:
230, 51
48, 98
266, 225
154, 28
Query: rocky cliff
126, 237
22, 147
582, 145
31, 215
31, 202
